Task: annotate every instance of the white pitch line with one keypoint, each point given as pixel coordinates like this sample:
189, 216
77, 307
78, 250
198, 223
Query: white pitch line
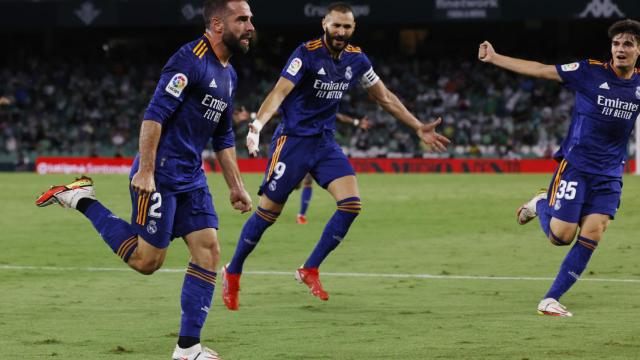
290, 273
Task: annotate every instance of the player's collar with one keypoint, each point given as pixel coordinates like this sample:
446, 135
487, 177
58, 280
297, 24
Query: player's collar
207, 40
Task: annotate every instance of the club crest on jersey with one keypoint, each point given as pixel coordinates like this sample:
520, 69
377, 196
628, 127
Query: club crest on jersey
294, 66
152, 228
177, 84
570, 67
347, 73
638, 92
557, 205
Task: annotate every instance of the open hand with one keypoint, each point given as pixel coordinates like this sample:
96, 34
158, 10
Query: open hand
428, 135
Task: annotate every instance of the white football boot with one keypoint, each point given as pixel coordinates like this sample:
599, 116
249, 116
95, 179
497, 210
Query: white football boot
196, 352
552, 307
527, 212
68, 195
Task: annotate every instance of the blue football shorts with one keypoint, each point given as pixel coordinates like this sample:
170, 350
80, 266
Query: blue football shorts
574, 194
292, 157
165, 215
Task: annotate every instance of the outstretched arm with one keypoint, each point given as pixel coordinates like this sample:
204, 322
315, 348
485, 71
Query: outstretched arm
390, 103
268, 108
240, 199
487, 54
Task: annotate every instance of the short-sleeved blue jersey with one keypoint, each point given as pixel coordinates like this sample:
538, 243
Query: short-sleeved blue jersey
320, 82
193, 102
603, 118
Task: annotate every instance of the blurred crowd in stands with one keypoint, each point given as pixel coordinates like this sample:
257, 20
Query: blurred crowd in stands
93, 108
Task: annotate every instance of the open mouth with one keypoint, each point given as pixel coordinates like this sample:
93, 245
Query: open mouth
621, 57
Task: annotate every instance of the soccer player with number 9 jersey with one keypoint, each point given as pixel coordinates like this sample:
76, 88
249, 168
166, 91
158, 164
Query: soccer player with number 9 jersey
585, 190
308, 93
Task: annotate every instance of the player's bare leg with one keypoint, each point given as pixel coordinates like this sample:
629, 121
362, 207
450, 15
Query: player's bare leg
146, 258
347, 195
562, 233
266, 214
197, 293
591, 230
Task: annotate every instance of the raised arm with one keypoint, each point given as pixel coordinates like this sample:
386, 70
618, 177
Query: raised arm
390, 103
268, 108
143, 181
238, 196
487, 54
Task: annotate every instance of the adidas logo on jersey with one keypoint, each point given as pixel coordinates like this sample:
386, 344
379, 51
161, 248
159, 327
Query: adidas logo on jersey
604, 85
321, 71
213, 84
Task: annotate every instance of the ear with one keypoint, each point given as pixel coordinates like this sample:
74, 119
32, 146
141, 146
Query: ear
217, 25
324, 21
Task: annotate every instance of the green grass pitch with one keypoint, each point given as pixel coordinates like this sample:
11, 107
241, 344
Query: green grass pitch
53, 307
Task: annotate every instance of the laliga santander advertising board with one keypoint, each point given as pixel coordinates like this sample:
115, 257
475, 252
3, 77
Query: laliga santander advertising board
88, 165
81, 165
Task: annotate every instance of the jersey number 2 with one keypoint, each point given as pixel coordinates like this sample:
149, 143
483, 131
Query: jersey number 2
153, 210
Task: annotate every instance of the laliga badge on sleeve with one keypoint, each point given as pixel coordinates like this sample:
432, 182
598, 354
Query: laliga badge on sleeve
177, 84
294, 66
570, 67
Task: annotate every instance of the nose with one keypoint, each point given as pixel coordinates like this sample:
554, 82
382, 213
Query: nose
250, 26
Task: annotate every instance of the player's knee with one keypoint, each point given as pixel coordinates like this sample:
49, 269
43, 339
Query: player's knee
352, 205
149, 266
563, 239
595, 233
594, 230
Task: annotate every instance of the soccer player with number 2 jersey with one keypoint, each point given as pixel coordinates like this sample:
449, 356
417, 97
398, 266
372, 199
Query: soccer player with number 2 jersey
192, 105
584, 194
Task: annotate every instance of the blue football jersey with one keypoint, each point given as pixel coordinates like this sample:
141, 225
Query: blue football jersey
603, 118
320, 82
193, 102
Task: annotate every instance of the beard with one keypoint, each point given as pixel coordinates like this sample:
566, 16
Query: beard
233, 43
330, 39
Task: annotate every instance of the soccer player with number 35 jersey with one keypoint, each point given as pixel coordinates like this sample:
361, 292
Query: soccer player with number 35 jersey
584, 194
192, 105
307, 93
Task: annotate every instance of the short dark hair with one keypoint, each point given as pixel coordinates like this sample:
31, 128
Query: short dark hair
341, 7
210, 8
626, 26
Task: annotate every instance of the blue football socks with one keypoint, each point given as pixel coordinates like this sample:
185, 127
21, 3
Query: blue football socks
117, 233
572, 267
249, 237
307, 191
197, 292
542, 209
335, 230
